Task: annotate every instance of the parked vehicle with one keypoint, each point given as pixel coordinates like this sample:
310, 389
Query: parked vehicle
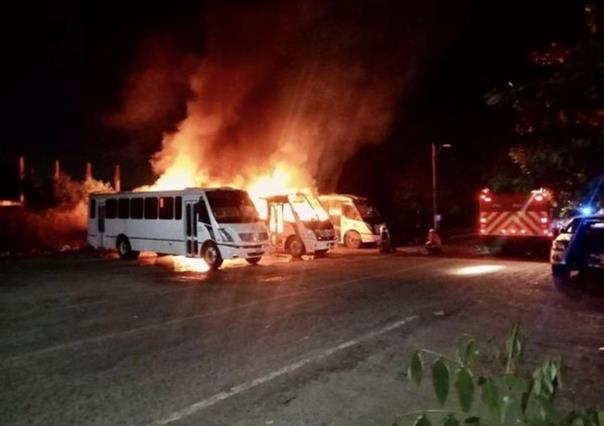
299, 225
578, 247
211, 223
506, 219
355, 220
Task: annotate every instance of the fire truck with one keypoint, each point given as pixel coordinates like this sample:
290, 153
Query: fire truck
506, 218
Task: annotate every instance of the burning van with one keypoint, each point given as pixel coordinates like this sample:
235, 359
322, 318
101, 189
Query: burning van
299, 225
355, 220
212, 224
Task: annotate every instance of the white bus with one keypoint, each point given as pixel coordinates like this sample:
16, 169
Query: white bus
299, 225
213, 224
355, 220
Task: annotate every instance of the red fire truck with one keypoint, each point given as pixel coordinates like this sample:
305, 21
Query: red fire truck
515, 217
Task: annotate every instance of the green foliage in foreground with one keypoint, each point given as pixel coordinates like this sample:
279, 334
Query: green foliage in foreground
512, 395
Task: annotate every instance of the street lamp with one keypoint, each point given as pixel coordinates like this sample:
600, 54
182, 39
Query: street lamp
435, 151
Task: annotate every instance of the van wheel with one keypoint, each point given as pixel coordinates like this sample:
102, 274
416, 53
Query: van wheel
253, 260
211, 255
320, 253
352, 240
295, 247
124, 249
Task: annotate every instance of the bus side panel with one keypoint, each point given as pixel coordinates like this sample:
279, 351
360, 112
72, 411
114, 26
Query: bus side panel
158, 235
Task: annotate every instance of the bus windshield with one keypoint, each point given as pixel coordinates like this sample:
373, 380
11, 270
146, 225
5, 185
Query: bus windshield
232, 207
307, 207
368, 212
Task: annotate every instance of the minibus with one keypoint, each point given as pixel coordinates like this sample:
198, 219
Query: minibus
209, 223
355, 220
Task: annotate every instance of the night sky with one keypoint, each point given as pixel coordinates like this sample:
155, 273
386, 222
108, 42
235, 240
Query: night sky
66, 67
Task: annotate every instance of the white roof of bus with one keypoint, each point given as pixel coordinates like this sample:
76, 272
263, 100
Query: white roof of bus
164, 192
346, 197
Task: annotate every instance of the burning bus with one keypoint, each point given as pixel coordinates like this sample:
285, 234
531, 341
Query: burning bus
515, 218
355, 220
299, 225
208, 223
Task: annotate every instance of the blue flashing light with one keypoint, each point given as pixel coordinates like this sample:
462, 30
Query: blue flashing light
586, 210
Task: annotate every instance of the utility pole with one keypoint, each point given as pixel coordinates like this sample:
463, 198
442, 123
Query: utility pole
435, 151
434, 214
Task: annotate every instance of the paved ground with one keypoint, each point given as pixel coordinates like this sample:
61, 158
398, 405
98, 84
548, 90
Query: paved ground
92, 340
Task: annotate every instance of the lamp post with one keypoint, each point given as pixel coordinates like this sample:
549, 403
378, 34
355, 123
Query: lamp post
435, 151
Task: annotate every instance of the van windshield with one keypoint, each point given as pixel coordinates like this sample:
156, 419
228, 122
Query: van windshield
368, 212
307, 207
232, 207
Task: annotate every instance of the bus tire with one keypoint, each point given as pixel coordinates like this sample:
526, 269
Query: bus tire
124, 249
320, 253
253, 260
295, 247
352, 239
211, 255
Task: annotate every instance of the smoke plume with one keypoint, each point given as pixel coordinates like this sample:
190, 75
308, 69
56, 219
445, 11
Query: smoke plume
295, 86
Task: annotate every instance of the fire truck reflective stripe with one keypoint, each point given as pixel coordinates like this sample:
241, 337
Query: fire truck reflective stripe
537, 216
492, 220
500, 217
510, 218
523, 222
515, 222
528, 223
491, 216
536, 219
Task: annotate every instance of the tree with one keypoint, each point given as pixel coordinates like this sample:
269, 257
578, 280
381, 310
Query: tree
559, 116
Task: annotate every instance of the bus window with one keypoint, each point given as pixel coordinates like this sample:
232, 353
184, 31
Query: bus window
92, 209
136, 208
151, 208
123, 208
202, 211
178, 208
111, 208
166, 207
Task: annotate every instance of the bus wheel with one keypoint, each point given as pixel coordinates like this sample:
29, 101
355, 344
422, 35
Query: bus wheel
253, 260
212, 256
124, 250
320, 253
295, 247
352, 239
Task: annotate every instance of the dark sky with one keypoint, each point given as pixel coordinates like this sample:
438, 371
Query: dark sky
65, 67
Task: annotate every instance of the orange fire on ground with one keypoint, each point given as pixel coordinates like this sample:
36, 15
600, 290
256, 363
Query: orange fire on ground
188, 264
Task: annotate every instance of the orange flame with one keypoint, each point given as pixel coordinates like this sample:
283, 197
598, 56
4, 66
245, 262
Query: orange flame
282, 180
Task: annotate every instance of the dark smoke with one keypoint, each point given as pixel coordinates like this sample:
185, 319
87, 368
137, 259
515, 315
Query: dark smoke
296, 85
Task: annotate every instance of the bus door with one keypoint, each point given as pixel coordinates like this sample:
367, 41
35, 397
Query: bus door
191, 245
100, 223
275, 223
335, 217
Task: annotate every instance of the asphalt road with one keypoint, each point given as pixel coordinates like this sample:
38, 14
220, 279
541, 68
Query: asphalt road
92, 340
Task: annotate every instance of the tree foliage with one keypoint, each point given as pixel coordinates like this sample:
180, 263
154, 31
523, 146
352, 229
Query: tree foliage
512, 396
558, 116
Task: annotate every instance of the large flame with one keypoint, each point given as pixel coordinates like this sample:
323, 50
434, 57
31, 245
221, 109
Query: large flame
282, 180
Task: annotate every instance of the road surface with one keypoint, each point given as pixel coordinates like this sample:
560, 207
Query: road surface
91, 340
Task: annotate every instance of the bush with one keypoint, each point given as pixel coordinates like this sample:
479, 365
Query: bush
512, 395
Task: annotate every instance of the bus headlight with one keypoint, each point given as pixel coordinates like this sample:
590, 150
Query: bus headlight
226, 237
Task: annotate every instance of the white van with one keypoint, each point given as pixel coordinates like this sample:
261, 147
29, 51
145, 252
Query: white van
299, 225
213, 224
354, 219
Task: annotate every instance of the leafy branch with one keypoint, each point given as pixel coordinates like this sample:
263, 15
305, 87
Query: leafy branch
513, 396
